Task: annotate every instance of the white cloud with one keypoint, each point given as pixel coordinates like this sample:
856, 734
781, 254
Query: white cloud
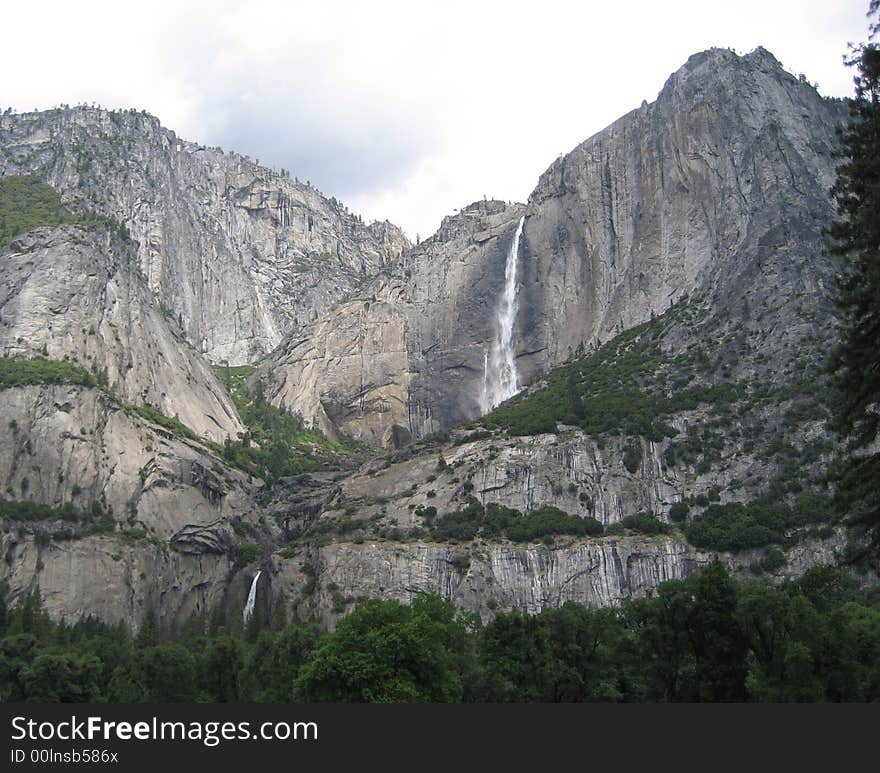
405, 110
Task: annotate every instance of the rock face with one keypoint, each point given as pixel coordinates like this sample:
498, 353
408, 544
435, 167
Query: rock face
238, 254
406, 356
486, 577
384, 511
719, 189
599, 573
163, 540
115, 581
572, 473
166, 541
77, 294
189, 509
74, 444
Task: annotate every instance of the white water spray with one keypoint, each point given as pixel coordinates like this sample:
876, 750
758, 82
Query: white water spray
500, 377
251, 599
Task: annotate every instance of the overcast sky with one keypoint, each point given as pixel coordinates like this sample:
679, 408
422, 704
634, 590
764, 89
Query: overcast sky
403, 110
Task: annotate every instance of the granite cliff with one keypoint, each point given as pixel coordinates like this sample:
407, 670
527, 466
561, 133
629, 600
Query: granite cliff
405, 356
78, 295
719, 189
125, 499
238, 254
674, 306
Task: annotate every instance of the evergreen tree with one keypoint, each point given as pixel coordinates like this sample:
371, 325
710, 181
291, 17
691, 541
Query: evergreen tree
718, 643
4, 609
661, 625
162, 673
148, 633
856, 360
278, 618
275, 660
32, 618
62, 678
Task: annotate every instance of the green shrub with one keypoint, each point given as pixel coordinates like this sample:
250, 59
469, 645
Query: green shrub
736, 526
496, 522
16, 372
311, 584
428, 513
679, 512
97, 519
154, 415
32, 511
773, 559
248, 552
632, 457
277, 443
619, 389
646, 523
26, 202
462, 524
548, 521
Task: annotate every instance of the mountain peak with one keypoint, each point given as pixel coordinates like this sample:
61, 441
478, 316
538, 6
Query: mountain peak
719, 63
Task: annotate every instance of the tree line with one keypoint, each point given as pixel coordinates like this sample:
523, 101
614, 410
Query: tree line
705, 638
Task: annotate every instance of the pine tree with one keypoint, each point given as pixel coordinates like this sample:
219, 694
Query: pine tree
148, 634
856, 360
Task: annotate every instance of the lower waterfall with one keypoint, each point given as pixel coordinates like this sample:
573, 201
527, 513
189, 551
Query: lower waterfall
251, 599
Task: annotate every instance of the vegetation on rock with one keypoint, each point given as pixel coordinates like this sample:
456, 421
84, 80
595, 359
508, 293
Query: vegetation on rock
628, 386
26, 203
21, 372
277, 443
498, 522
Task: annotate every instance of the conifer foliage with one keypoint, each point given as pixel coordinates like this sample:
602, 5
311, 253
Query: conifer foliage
857, 233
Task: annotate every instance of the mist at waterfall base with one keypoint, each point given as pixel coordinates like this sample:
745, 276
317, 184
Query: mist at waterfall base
251, 599
500, 377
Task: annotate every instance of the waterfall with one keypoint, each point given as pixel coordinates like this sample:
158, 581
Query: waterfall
251, 599
500, 378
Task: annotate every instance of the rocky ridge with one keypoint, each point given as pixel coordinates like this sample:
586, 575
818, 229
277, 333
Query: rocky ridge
238, 254
720, 188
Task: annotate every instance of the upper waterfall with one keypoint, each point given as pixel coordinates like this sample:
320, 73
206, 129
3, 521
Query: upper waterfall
500, 377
